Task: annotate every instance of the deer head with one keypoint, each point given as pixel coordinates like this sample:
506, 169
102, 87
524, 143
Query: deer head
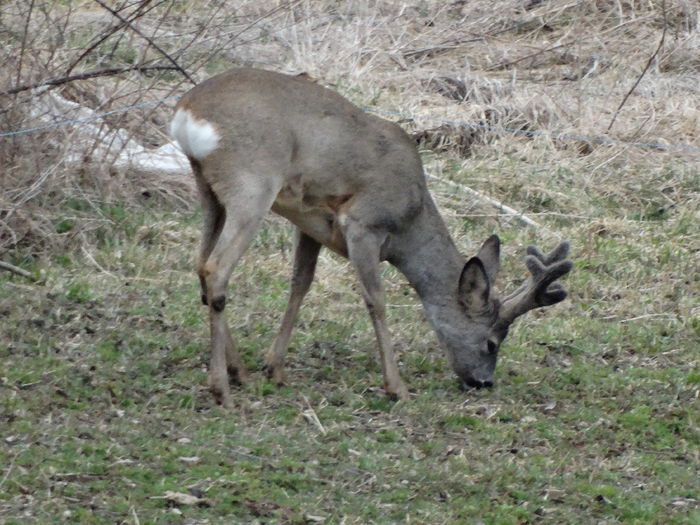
473, 331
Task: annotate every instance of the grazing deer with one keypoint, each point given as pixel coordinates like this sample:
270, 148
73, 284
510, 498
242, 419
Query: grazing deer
350, 181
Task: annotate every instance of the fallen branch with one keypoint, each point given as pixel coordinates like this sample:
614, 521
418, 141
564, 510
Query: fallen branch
456, 43
493, 202
439, 49
505, 65
18, 271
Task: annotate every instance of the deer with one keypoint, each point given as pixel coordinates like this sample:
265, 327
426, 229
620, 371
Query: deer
353, 182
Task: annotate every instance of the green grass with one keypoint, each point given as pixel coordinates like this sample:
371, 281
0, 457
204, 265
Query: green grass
104, 410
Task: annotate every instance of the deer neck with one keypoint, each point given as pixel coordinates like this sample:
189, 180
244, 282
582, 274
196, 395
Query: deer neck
429, 259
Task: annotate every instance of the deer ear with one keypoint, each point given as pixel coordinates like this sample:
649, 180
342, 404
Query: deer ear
490, 255
474, 285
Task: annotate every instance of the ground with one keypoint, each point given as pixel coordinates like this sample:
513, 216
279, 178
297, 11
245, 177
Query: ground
580, 116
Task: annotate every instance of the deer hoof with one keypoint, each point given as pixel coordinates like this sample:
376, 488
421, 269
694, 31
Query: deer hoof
398, 392
237, 374
221, 396
275, 374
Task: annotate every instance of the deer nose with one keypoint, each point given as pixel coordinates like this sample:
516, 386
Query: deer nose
470, 378
476, 383
467, 381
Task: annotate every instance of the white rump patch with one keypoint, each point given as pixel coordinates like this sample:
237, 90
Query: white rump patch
196, 137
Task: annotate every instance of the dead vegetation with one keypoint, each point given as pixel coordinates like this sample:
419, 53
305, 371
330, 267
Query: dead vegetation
578, 114
513, 70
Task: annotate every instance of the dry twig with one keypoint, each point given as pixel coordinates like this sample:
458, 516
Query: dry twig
141, 11
649, 62
493, 202
148, 39
16, 270
84, 76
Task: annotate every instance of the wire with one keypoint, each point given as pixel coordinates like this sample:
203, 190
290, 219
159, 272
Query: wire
87, 119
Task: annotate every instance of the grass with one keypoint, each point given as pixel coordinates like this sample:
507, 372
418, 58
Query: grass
104, 410
104, 413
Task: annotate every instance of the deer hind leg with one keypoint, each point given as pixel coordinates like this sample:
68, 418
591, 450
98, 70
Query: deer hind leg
245, 204
213, 214
305, 257
364, 253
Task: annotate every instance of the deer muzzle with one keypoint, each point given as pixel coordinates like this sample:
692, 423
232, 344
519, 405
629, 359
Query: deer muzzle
468, 379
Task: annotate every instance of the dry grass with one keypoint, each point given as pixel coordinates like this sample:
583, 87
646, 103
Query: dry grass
543, 68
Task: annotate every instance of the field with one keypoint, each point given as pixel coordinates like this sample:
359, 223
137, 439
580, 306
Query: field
583, 116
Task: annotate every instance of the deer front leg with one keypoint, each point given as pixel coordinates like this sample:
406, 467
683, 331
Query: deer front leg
363, 251
305, 257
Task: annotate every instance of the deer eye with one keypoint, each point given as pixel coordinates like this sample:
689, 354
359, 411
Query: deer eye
492, 347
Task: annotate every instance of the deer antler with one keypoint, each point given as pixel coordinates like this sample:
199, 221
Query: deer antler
539, 289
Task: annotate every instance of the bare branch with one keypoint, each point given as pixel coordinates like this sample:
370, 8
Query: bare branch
84, 76
24, 40
649, 62
140, 12
203, 60
148, 39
